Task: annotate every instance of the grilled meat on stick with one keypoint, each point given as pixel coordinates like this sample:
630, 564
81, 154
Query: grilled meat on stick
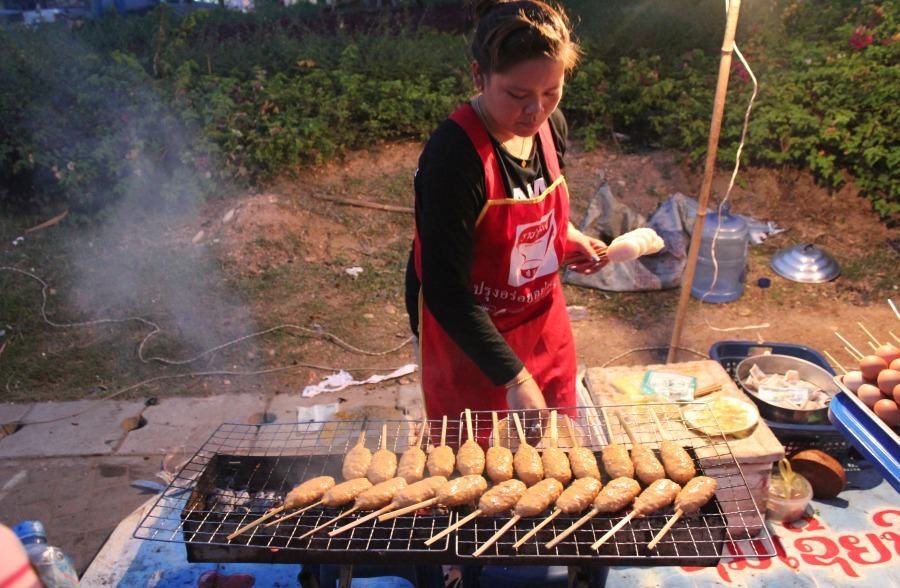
357, 460
412, 463
372, 499
499, 459
455, 492
647, 468
410, 494
573, 499
441, 460
582, 459
500, 498
614, 456
694, 496
676, 460
383, 466
335, 496
554, 460
612, 498
527, 461
533, 502
304, 496
656, 496
470, 457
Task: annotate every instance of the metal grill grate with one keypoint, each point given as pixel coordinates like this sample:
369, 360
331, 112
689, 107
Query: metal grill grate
243, 470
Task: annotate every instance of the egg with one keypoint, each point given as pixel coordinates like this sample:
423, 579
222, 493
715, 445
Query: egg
888, 352
896, 393
869, 394
895, 365
887, 411
870, 365
853, 380
888, 380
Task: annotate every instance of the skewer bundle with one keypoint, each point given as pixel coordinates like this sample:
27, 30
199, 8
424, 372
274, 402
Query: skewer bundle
302, 497
656, 496
612, 498
534, 501
694, 496
374, 498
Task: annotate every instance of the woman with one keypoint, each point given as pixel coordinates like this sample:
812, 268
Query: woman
492, 226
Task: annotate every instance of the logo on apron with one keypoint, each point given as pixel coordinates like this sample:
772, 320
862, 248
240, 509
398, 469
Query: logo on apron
533, 254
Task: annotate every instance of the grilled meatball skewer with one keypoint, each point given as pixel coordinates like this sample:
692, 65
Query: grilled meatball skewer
501, 497
694, 496
304, 496
573, 499
612, 498
410, 494
499, 459
336, 496
441, 461
614, 456
456, 492
675, 458
554, 460
527, 461
372, 499
533, 502
357, 460
383, 466
470, 457
582, 459
656, 496
647, 468
412, 463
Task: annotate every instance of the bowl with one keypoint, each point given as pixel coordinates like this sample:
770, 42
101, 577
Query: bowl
723, 415
780, 364
788, 509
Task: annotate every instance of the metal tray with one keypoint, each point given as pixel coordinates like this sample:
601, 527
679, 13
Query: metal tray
273, 458
870, 435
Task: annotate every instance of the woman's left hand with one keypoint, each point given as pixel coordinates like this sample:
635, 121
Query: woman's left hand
584, 254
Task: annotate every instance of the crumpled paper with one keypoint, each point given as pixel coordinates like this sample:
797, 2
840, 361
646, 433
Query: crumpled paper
342, 379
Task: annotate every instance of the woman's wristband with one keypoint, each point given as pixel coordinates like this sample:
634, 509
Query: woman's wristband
519, 382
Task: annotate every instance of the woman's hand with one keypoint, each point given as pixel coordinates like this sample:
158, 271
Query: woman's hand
528, 397
584, 254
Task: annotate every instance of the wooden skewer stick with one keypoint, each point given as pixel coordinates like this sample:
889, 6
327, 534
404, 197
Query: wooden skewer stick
407, 509
662, 431
358, 522
576, 442
853, 355
252, 524
836, 363
896, 312
469, 424
297, 512
612, 440
866, 331
627, 427
896, 338
496, 428
540, 526
497, 535
575, 526
612, 531
554, 431
444, 431
850, 345
519, 430
329, 522
669, 524
475, 514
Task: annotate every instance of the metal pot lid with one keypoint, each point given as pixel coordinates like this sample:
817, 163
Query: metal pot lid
805, 263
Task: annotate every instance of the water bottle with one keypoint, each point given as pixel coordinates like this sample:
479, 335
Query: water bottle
53, 565
730, 256
15, 567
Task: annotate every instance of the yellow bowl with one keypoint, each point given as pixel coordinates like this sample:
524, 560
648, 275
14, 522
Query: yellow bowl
725, 415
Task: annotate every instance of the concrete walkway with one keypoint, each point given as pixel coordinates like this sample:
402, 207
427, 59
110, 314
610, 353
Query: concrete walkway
81, 467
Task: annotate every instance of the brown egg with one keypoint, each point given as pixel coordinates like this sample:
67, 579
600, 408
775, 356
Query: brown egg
869, 394
887, 381
888, 352
897, 393
853, 380
870, 365
888, 411
895, 365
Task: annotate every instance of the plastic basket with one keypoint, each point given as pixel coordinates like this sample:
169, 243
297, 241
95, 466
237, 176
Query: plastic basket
794, 437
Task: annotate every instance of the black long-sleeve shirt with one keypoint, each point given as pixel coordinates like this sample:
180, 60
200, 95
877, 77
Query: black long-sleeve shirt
450, 195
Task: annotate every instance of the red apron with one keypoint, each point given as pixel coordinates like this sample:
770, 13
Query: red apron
515, 277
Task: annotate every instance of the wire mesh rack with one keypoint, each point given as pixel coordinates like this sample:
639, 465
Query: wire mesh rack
243, 471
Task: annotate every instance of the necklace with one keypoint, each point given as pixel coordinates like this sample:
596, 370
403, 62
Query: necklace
521, 154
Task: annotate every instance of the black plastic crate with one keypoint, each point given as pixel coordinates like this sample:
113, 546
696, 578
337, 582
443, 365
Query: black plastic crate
794, 437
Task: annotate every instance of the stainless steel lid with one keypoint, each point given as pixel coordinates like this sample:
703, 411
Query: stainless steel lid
805, 263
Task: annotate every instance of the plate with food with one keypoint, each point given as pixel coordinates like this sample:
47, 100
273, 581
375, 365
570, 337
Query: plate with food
723, 415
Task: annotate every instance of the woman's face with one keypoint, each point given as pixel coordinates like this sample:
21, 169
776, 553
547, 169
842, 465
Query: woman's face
516, 102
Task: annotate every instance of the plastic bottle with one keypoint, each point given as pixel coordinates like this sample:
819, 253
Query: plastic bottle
15, 567
731, 257
53, 565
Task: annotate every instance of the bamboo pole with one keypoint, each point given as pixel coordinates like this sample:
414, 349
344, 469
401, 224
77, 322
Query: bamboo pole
714, 129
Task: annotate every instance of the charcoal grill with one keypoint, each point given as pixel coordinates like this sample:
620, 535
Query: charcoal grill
261, 463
